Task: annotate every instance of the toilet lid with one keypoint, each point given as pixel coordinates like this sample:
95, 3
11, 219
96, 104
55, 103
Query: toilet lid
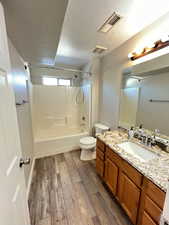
88, 140
101, 126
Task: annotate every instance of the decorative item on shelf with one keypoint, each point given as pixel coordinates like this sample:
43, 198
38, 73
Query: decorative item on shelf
149, 48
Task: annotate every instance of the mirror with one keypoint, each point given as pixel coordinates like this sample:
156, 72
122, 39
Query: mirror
145, 98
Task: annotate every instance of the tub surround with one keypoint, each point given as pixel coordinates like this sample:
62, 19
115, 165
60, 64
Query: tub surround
157, 170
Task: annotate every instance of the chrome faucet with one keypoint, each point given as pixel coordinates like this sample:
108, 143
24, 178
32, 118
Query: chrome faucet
144, 138
131, 133
140, 134
147, 140
156, 132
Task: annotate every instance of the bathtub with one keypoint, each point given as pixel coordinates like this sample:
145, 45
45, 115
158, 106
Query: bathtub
53, 141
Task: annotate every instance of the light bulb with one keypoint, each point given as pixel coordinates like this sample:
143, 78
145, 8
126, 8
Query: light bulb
151, 45
139, 51
130, 55
165, 38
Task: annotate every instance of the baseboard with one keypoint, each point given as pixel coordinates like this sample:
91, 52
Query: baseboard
59, 151
30, 178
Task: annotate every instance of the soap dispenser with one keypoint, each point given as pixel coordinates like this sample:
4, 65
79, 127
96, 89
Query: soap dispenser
131, 133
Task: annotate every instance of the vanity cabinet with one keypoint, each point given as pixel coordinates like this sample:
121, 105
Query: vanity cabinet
152, 202
147, 220
128, 196
111, 175
100, 158
152, 209
141, 199
124, 181
100, 167
112, 165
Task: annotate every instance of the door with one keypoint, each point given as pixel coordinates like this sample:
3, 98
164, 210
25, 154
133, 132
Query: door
13, 204
129, 195
111, 175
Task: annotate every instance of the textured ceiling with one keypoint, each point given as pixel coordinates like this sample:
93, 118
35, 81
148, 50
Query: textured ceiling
34, 27
79, 35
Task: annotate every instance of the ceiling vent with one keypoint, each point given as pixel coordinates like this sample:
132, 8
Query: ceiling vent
109, 23
99, 49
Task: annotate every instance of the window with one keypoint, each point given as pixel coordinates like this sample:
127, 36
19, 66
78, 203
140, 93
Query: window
53, 81
50, 81
64, 82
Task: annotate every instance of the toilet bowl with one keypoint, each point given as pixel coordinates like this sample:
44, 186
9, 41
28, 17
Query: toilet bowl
88, 145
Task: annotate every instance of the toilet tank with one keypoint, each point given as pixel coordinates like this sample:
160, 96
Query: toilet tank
100, 129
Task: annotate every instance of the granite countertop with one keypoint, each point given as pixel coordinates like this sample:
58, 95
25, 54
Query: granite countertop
157, 170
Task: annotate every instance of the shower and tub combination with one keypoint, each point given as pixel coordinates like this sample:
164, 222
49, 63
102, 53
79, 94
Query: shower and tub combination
61, 116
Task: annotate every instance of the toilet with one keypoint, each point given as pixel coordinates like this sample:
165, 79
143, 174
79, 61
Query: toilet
88, 144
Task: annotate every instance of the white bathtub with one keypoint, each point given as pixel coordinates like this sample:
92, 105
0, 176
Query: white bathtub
57, 140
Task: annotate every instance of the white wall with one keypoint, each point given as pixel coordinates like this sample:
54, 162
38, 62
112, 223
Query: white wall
114, 63
19, 77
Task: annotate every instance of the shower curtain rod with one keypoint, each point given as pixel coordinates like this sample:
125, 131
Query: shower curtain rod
58, 68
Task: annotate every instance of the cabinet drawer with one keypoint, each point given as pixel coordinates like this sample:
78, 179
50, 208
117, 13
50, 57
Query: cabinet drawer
133, 174
152, 209
101, 145
156, 194
147, 220
100, 167
100, 154
113, 157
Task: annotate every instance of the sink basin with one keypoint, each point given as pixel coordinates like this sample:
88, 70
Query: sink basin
137, 151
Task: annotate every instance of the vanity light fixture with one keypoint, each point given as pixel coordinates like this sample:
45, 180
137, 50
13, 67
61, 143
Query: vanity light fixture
149, 48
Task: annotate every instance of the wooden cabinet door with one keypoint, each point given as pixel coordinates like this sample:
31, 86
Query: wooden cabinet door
111, 175
100, 166
147, 220
129, 195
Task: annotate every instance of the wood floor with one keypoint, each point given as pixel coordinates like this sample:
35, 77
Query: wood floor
67, 191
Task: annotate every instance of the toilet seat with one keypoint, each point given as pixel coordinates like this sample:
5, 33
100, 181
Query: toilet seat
88, 150
87, 142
